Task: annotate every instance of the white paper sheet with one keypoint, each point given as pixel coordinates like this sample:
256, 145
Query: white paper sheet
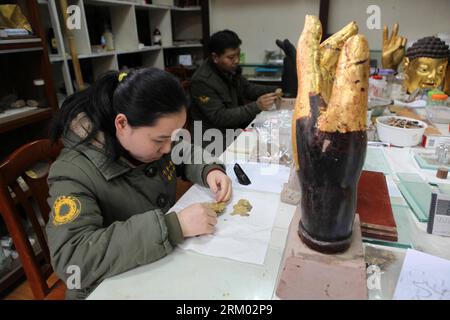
423, 277
239, 238
266, 177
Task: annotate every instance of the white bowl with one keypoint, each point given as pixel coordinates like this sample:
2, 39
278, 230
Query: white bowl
401, 137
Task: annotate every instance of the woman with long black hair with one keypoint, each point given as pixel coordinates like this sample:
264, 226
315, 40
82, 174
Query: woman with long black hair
114, 181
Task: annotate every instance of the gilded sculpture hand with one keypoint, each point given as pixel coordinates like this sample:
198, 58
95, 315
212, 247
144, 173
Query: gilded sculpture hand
329, 134
393, 48
317, 65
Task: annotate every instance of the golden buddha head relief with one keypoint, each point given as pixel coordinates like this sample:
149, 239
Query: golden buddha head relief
425, 64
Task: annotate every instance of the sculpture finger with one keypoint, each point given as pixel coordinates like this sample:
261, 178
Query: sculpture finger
394, 33
347, 108
385, 35
330, 50
404, 40
308, 71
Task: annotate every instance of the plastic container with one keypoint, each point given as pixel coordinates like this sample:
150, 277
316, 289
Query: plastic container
401, 137
431, 92
377, 86
438, 110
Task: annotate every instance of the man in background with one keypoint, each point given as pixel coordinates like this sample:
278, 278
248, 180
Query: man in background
221, 97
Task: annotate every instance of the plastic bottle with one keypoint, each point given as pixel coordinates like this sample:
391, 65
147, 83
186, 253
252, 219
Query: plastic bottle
430, 93
376, 86
157, 37
107, 39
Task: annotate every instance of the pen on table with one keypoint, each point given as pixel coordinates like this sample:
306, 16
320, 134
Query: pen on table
380, 144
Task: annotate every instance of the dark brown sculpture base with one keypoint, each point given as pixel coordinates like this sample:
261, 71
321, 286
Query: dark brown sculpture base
323, 246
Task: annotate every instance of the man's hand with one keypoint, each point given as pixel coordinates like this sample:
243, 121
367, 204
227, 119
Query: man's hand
266, 101
220, 184
393, 48
197, 220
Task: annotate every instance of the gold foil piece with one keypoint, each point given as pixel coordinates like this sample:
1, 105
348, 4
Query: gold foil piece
242, 207
217, 207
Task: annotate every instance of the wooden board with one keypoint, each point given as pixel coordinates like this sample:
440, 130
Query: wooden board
374, 207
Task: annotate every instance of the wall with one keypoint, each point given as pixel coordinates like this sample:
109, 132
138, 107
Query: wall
260, 22
417, 18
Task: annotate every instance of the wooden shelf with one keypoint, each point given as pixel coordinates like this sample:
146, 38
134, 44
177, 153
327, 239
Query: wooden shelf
151, 7
21, 119
145, 49
195, 8
20, 50
13, 40
95, 55
189, 45
11, 277
108, 3
131, 23
20, 45
16, 273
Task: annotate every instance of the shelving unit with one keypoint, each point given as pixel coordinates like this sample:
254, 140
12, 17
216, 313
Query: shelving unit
22, 60
132, 24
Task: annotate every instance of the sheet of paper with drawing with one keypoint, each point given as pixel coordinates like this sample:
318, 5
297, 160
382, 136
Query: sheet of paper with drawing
423, 277
242, 237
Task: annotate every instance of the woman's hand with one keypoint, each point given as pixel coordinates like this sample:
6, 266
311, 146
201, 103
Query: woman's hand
197, 220
220, 184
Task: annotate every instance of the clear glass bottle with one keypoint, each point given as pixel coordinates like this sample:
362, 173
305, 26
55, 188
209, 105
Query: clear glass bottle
397, 90
157, 37
39, 92
388, 75
443, 154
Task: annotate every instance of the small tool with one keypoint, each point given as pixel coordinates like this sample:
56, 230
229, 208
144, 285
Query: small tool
240, 174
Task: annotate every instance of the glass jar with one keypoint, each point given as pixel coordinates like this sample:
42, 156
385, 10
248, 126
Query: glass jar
39, 92
437, 109
388, 75
397, 90
443, 154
